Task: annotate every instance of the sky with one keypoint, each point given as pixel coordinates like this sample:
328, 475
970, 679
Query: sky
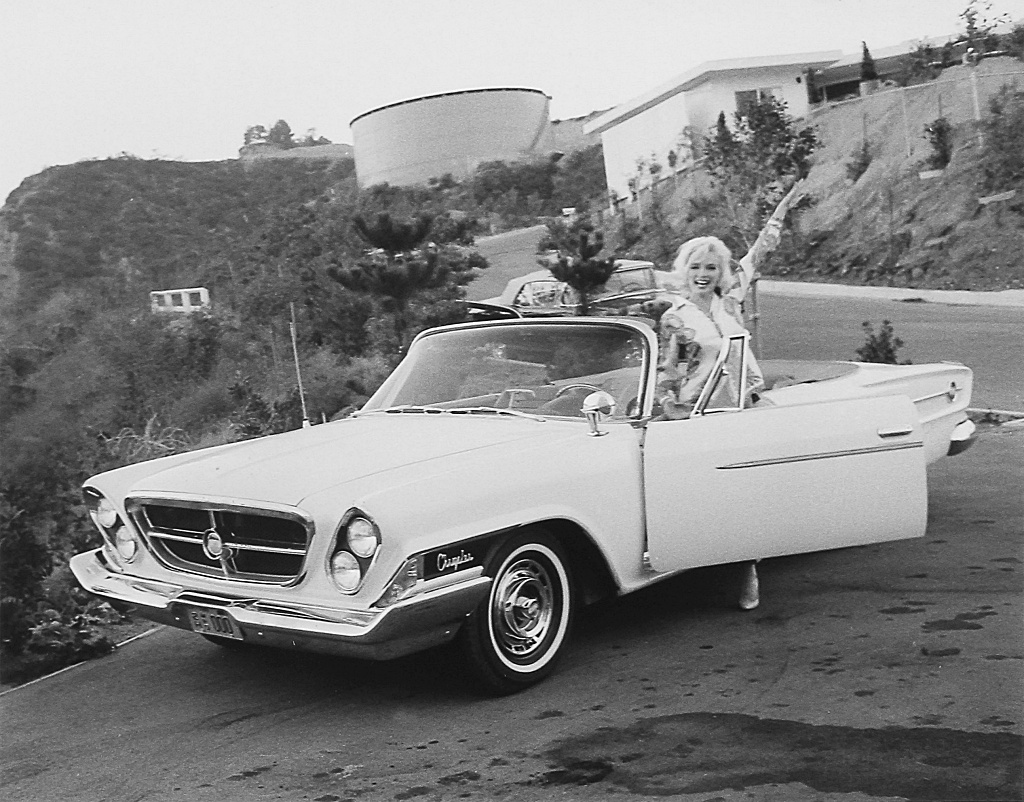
184, 79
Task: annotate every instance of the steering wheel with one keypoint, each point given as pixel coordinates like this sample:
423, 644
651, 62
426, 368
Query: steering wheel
570, 387
568, 400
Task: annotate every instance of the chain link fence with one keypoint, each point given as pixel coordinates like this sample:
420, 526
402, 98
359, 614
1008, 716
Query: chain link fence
890, 119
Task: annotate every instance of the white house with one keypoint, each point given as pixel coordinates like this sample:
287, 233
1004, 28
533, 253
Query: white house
649, 126
184, 301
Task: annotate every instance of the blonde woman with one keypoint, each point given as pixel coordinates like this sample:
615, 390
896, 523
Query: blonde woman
706, 309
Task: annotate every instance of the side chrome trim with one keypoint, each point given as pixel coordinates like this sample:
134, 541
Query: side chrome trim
899, 431
852, 452
950, 393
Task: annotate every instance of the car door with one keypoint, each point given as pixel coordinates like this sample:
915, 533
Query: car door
735, 484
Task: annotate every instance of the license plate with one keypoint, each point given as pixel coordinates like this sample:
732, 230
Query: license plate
213, 622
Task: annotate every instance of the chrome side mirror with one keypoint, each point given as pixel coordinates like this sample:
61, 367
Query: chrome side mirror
597, 406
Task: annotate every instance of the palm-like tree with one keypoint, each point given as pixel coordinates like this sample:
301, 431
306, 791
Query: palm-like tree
398, 268
582, 270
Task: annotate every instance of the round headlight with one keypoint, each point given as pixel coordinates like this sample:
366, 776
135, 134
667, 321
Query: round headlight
127, 545
345, 571
106, 515
362, 537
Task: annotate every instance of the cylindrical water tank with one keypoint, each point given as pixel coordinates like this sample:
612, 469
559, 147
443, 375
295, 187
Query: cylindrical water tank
415, 140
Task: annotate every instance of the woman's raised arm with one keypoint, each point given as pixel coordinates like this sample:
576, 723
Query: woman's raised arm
766, 242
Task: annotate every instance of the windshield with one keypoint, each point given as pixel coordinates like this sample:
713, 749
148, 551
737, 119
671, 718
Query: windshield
540, 369
629, 280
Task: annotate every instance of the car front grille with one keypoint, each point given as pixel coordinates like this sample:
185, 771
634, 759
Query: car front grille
224, 541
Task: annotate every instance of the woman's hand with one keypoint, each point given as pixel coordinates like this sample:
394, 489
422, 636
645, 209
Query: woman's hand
771, 235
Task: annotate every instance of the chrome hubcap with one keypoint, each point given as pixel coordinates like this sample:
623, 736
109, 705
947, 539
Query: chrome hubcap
523, 609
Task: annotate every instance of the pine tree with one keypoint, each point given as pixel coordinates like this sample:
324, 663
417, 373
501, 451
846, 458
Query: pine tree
867, 65
582, 270
398, 269
753, 165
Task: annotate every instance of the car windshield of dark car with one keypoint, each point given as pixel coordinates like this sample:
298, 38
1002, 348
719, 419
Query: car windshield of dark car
545, 294
540, 369
629, 280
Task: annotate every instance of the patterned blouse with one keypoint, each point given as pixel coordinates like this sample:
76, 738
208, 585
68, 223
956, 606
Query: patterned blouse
690, 340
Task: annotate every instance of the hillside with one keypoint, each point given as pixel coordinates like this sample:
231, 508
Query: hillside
893, 227
144, 224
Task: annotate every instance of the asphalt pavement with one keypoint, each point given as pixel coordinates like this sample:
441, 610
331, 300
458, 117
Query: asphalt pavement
811, 289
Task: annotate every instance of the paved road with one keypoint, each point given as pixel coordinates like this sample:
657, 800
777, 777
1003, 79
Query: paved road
509, 255
877, 673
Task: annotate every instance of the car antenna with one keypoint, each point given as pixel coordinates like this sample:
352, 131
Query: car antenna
298, 373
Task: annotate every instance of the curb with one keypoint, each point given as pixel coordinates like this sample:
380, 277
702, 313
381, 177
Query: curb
810, 289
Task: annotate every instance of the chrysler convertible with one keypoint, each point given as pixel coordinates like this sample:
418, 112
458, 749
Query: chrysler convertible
505, 474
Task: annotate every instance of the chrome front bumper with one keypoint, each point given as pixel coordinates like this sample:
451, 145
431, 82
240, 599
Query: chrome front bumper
411, 625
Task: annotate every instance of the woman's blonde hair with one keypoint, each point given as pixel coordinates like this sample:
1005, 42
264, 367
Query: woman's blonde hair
699, 248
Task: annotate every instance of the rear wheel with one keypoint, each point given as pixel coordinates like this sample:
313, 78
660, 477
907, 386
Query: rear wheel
516, 635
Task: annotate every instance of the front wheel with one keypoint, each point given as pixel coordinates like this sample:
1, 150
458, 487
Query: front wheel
516, 635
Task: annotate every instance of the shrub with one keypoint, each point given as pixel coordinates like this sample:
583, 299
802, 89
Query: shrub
940, 137
1003, 154
129, 446
859, 162
60, 638
1014, 41
880, 347
920, 65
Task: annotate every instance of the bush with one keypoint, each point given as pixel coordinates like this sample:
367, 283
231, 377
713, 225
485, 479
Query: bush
1003, 154
859, 162
881, 347
920, 66
1014, 41
57, 639
940, 137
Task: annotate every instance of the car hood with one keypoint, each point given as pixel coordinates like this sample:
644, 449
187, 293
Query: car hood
289, 467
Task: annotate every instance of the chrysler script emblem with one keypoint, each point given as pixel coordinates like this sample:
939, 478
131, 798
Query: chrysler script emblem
453, 562
213, 545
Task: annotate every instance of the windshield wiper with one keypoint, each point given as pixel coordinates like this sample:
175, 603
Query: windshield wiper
401, 409
494, 411
409, 408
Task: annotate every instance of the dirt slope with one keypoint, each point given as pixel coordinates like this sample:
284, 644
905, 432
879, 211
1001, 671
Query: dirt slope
892, 227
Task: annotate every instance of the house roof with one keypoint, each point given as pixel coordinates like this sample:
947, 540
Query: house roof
901, 49
887, 59
698, 75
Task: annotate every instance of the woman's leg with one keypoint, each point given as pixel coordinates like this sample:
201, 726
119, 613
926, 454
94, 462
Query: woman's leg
750, 590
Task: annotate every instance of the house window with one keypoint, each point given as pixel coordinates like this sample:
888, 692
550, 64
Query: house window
176, 299
747, 98
195, 299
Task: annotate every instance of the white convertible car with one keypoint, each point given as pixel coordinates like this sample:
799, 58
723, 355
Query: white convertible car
505, 473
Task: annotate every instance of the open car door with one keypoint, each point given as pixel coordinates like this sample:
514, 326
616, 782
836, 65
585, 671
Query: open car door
734, 483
